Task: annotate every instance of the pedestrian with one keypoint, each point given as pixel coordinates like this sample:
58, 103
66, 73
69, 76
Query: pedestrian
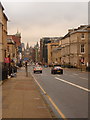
7, 62
13, 72
26, 68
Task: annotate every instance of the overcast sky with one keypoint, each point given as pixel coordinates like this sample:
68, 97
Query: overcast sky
47, 19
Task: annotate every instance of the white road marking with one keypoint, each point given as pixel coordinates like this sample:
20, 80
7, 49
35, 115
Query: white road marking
75, 74
75, 85
83, 78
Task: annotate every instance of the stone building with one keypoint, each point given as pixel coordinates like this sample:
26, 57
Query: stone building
65, 49
27, 52
52, 52
74, 47
82, 46
11, 49
88, 46
17, 40
44, 48
3, 34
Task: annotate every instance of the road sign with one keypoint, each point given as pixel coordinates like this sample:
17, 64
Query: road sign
25, 59
7, 60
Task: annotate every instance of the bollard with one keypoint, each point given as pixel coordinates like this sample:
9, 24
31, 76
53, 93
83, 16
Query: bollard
26, 69
26, 72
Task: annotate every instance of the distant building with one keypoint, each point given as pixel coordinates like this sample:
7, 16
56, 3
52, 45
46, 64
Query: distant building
44, 48
23, 50
27, 52
12, 49
37, 53
17, 40
23, 46
32, 54
52, 51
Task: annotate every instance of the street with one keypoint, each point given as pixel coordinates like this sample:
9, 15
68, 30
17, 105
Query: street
38, 40
69, 91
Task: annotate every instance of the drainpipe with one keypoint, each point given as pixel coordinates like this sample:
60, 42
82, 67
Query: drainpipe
69, 48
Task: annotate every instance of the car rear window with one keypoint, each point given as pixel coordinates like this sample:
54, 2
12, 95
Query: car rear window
37, 67
57, 67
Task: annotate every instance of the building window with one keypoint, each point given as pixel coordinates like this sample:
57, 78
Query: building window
82, 48
82, 36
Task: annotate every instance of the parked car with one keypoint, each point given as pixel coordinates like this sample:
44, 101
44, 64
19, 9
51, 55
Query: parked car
57, 70
37, 69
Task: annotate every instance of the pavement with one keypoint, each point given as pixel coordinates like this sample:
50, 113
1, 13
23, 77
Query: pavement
21, 98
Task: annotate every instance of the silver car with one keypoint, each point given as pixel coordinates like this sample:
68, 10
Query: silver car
37, 69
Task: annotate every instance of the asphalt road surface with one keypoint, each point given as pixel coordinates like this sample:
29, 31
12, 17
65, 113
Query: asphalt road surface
68, 93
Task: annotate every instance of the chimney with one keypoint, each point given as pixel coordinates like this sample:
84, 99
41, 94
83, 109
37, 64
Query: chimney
70, 30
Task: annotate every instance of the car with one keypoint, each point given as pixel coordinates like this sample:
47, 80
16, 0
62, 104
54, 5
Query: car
57, 70
37, 69
45, 66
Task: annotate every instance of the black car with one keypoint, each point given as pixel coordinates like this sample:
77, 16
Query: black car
57, 70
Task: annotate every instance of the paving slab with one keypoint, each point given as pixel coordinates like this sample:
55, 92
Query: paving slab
21, 98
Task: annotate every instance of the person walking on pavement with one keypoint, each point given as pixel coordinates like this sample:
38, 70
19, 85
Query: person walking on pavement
26, 68
7, 61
